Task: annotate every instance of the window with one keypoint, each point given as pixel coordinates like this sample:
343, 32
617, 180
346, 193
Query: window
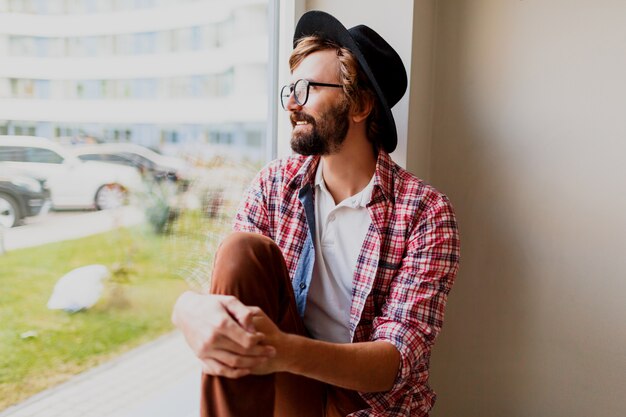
209, 36
254, 139
91, 157
91, 45
41, 46
225, 32
42, 155
24, 129
139, 87
145, 43
137, 160
119, 159
12, 154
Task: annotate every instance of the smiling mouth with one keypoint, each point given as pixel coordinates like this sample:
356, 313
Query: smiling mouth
301, 119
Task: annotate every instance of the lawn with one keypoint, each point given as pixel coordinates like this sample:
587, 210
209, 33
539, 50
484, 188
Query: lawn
40, 348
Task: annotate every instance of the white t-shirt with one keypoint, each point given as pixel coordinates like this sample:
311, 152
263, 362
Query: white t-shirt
339, 234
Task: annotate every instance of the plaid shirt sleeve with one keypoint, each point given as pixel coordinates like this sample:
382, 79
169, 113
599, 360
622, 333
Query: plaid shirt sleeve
412, 314
253, 215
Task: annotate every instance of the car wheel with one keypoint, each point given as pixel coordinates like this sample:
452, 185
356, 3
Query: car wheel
9, 211
110, 196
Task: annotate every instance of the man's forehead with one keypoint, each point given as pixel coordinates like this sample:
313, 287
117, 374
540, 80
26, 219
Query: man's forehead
324, 64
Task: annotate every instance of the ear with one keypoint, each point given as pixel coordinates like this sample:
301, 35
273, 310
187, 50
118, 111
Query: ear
360, 115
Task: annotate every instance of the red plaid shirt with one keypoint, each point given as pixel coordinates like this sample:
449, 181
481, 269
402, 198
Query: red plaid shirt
403, 274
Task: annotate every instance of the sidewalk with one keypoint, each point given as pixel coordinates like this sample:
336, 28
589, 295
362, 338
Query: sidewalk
158, 379
68, 225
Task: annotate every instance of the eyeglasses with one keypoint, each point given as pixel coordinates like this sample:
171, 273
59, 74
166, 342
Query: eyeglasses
300, 90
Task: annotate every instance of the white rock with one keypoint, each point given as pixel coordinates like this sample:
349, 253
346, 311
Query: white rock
79, 289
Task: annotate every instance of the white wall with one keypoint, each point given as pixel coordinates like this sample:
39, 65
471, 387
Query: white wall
529, 139
391, 23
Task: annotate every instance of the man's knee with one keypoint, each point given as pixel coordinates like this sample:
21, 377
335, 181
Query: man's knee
248, 266
245, 243
245, 256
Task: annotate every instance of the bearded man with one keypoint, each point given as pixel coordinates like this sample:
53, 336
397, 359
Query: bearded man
327, 298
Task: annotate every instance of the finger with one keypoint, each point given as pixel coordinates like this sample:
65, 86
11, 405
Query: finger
224, 343
216, 368
256, 311
238, 361
241, 313
264, 325
227, 327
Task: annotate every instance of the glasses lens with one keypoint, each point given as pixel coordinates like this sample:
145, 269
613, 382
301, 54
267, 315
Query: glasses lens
301, 91
285, 92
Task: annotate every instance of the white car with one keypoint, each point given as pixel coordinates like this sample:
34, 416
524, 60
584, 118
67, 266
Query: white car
144, 159
73, 183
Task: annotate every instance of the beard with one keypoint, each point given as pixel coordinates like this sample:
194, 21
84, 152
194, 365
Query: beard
324, 135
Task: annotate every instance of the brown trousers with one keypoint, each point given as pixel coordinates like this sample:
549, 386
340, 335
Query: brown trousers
252, 268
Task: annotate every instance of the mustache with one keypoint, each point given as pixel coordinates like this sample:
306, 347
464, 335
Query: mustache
301, 116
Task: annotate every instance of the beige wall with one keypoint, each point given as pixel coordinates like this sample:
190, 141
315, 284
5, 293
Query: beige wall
529, 142
520, 117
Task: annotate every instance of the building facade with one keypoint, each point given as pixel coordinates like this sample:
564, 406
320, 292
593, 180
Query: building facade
154, 72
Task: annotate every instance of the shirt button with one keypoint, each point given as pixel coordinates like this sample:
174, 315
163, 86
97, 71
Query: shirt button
302, 285
331, 218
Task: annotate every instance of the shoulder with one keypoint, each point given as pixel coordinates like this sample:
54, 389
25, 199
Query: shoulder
283, 170
415, 195
427, 214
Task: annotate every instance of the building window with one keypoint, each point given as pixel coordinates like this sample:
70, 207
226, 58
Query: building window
144, 43
254, 139
225, 83
225, 32
42, 89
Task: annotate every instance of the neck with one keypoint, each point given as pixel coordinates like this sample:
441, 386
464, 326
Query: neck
349, 170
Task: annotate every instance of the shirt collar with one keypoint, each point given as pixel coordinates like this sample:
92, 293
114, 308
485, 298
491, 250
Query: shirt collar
309, 169
319, 179
383, 177
303, 178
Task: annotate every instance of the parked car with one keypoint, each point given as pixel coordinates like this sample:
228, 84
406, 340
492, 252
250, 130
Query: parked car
21, 196
158, 166
73, 183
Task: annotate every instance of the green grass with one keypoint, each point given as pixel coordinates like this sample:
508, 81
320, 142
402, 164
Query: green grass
127, 315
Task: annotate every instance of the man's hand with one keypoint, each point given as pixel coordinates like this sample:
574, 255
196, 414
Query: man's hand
220, 331
365, 366
273, 337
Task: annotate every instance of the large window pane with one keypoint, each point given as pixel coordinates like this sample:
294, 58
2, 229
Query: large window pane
168, 122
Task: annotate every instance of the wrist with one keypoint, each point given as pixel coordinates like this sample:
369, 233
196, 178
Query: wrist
293, 355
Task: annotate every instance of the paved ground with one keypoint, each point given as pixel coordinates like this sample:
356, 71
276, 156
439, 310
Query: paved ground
159, 379
65, 225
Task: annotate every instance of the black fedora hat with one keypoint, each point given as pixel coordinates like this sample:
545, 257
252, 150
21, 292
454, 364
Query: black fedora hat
380, 62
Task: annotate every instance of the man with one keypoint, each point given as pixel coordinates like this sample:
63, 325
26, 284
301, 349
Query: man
327, 298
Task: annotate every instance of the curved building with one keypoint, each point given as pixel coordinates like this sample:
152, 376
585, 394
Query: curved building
153, 72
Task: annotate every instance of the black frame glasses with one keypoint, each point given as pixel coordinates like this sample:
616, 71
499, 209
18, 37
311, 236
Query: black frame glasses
300, 91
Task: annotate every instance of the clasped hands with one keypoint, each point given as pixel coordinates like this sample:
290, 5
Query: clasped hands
230, 339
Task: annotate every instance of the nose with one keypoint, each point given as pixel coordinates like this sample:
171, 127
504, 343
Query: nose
292, 105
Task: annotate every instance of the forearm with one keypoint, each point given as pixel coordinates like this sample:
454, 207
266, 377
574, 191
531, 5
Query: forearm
365, 367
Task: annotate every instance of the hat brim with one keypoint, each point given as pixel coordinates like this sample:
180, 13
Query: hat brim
325, 26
